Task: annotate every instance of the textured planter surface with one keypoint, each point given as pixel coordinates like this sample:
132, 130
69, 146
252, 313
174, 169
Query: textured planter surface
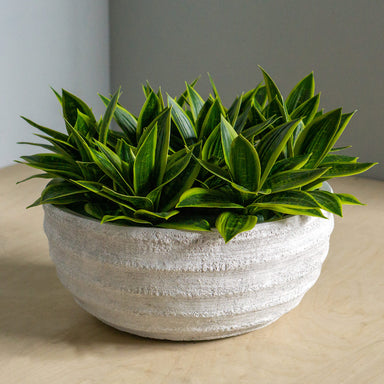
182, 285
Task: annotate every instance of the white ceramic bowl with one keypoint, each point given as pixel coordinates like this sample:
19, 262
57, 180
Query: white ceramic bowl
185, 285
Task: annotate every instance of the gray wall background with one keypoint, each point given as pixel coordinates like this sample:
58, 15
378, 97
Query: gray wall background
81, 45
64, 44
170, 41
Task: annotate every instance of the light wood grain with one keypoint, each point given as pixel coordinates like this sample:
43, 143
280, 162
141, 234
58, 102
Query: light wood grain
336, 335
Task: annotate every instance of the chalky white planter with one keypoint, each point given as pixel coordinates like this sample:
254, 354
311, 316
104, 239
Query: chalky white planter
185, 285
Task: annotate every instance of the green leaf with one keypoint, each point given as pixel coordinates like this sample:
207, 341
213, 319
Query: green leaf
330, 133
163, 122
111, 170
228, 134
286, 180
55, 164
195, 101
316, 212
135, 202
128, 219
230, 224
57, 95
261, 96
89, 170
233, 111
182, 99
149, 111
215, 170
251, 132
144, 166
292, 199
257, 114
319, 137
211, 120
272, 144
283, 111
83, 125
173, 170
63, 147
176, 164
160, 117
345, 119
36, 203
160, 97
187, 224
94, 210
290, 164
65, 200
71, 104
54, 193
339, 159
162, 145
303, 91
246, 194
214, 88
109, 113
201, 117
37, 176
154, 216
274, 108
347, 199
272, 90
315, 185
82, 145
249, 97
50, 132
337, 149
245, 164
55, 171
288, 202
205, 198
110, 155
346, 169
213, 149
125, 152
45, 146
307, 110
147, 89
241, 121
125, 120
182, 122
328, 201
172, 191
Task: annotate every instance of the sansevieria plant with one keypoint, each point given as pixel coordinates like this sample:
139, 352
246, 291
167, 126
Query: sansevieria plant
193, 164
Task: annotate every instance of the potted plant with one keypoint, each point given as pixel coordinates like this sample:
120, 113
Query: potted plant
216, 220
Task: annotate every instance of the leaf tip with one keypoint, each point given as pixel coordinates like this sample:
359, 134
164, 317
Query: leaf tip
104, 219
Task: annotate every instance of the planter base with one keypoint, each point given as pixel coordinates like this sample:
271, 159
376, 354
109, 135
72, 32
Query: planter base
177, 329
196, 336
220, 332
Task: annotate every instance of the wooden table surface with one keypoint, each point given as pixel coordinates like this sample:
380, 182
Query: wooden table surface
336, 335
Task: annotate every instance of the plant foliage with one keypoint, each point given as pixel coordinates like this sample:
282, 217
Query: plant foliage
193, 164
